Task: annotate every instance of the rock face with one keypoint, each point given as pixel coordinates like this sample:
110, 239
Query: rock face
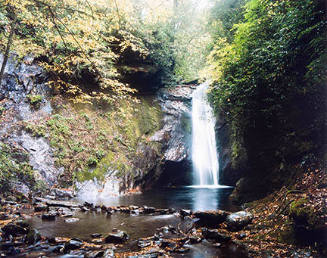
163, 159
20, 80
175, 134
176, 105
229, 174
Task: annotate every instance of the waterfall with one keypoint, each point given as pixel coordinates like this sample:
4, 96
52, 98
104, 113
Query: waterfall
204, 152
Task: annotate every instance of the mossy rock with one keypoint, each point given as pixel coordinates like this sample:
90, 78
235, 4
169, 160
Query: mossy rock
303, 214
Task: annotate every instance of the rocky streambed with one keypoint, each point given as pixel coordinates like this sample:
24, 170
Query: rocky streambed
57, 225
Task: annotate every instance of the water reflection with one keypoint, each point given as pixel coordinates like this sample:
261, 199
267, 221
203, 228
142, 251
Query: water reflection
202, 200
179, 198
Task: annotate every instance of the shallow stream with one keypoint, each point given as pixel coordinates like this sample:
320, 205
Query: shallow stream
140, 226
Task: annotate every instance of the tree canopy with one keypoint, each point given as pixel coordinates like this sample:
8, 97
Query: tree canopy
84, 44
268, 64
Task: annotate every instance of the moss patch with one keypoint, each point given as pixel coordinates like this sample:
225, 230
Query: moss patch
35, 100
303, 214
90, 141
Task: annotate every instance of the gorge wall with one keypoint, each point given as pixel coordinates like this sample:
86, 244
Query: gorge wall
53, 141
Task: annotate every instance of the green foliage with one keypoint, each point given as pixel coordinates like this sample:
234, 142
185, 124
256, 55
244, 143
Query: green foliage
92, 161
36, 131
35, 100
82, 44
269, 74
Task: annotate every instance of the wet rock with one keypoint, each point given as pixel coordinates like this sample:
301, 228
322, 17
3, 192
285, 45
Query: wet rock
241, 236
109, 253
215, 235
72, 220
41, 207
23, 223
104, 208
97, 241
117, 238
168, 244
72, 245
151, 253
135, 212
96, 235
172, 229
182, 250
143, 243
210, 218
238, 220
84, 209
89, 205
57, 240
164, 229
162, 211
13, 229
94, 254
33, 237
65, 212
49, 216
56, 249
148, 210
63, 193
194, 240
172, 210
51, 197
185, 213
124, 210
54, 210
57, 203
218, 245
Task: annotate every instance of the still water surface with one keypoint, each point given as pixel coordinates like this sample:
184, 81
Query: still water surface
196, 199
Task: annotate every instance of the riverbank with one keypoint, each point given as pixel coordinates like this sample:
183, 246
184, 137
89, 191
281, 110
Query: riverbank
56, 224
52, 227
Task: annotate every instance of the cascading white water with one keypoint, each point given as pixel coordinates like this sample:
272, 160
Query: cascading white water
204, 153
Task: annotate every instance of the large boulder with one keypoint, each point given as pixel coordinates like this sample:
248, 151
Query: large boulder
215, 235
73, 245
33, 237
210, 218
238, 220
14, 230
117, 238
